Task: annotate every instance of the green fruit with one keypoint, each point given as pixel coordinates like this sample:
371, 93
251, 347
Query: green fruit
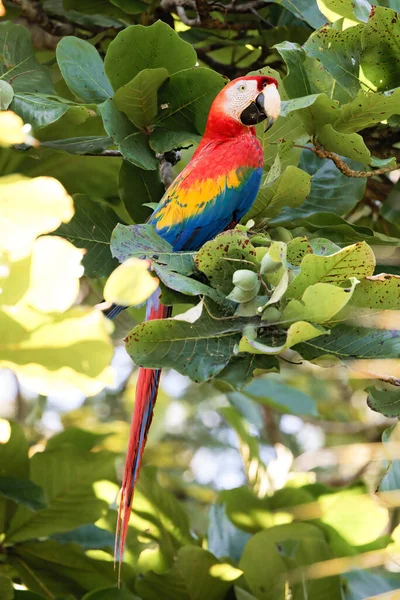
272, 314
6, 95
239, 295
245, 279
281, 234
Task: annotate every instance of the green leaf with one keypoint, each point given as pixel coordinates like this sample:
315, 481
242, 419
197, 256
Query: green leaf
6, 94
351, 145
40, 110
18, 65
116, 124
386, 402
83, 70
241, 369
196, 575
391, 479
305, 75
81, 438
266, 579
141, 241
349, 9
130, 284
138, 98
88, 537
138, 47
200, 349
379, 292
91, 228
365, 110
306, 10
66, 476
6, 588
186, 285
319, 303
339, 52
297, 333
331, 191
380, 38
136, 188
187, 96
356, 260
135, 149
349, 342
224, 539
108, 593
22, 491
221, 257
93, 144
297, 249
280, 396
164, 514
291, 189
61, 570
13, 451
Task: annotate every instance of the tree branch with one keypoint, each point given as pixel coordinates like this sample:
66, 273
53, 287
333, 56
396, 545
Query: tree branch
342, 166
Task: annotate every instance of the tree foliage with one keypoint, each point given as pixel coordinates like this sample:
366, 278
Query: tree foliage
291, 313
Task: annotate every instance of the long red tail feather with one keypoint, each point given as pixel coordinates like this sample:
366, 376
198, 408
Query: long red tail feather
145, 399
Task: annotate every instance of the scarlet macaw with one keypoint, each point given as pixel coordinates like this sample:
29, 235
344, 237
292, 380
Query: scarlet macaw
212, 193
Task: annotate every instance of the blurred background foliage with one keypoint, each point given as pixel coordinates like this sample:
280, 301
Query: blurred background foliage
283, 486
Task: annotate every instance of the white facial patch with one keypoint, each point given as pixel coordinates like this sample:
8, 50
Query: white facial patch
239, 97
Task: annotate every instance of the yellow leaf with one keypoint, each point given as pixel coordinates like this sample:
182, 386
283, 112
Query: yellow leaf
11, 127
29, 208
131, 283
55, 272
54, 352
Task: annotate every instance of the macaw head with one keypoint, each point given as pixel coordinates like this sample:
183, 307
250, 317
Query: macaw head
248, 101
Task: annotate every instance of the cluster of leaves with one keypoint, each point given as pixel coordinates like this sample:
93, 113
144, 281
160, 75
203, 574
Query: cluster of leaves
57, 531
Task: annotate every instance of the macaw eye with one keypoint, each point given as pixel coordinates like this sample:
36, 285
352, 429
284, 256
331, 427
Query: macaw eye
242, 87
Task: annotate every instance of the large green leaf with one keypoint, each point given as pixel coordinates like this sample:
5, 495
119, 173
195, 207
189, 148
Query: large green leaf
40, 110
141, 241
22, 491
196, 575
83, 70
280, 396
349, 342
14, 462
339, 52
270, 554
199, 350
138, 187
137, 48
290, 190
367, 109
379, 292
357, 260
138, 98
185, 100
381, 49
349, 9
331, 191
71, 348
61, 570
66, 476
91, 228
307, 10
18, 64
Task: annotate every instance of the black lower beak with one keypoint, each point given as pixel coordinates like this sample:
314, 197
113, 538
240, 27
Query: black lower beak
254, 113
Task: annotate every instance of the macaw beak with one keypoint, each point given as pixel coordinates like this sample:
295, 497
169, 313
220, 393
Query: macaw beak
265, 107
